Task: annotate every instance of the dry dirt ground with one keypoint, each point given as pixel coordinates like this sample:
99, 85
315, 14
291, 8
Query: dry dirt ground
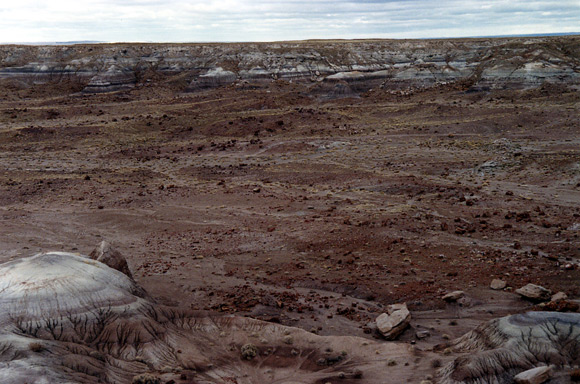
286, 207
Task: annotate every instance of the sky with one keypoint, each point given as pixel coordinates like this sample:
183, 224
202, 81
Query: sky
271, 20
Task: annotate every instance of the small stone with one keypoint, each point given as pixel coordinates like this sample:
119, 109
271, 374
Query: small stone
537, 375
453, 296
422, 334
288, 339
498, 284
534, 293
559, 296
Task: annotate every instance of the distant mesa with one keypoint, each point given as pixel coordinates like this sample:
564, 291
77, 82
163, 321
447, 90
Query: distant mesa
472, 65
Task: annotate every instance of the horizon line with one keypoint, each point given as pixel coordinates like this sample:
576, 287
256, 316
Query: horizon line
81, 42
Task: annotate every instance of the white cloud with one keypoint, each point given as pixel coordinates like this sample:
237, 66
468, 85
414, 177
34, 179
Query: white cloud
263, 20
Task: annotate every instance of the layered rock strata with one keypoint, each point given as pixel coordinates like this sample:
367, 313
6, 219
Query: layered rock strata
391, 65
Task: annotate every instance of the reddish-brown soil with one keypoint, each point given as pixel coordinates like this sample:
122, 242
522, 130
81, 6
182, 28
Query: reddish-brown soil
277, 205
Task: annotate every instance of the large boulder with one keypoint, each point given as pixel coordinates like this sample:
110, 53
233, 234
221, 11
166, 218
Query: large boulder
534, 292
392, 323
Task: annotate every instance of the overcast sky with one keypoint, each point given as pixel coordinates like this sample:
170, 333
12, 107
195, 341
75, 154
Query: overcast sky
268, 20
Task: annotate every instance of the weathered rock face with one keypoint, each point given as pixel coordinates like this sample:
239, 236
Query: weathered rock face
500, 349
65, 318
391, 65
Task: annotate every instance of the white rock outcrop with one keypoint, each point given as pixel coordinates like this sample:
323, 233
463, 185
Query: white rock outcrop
215, 77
